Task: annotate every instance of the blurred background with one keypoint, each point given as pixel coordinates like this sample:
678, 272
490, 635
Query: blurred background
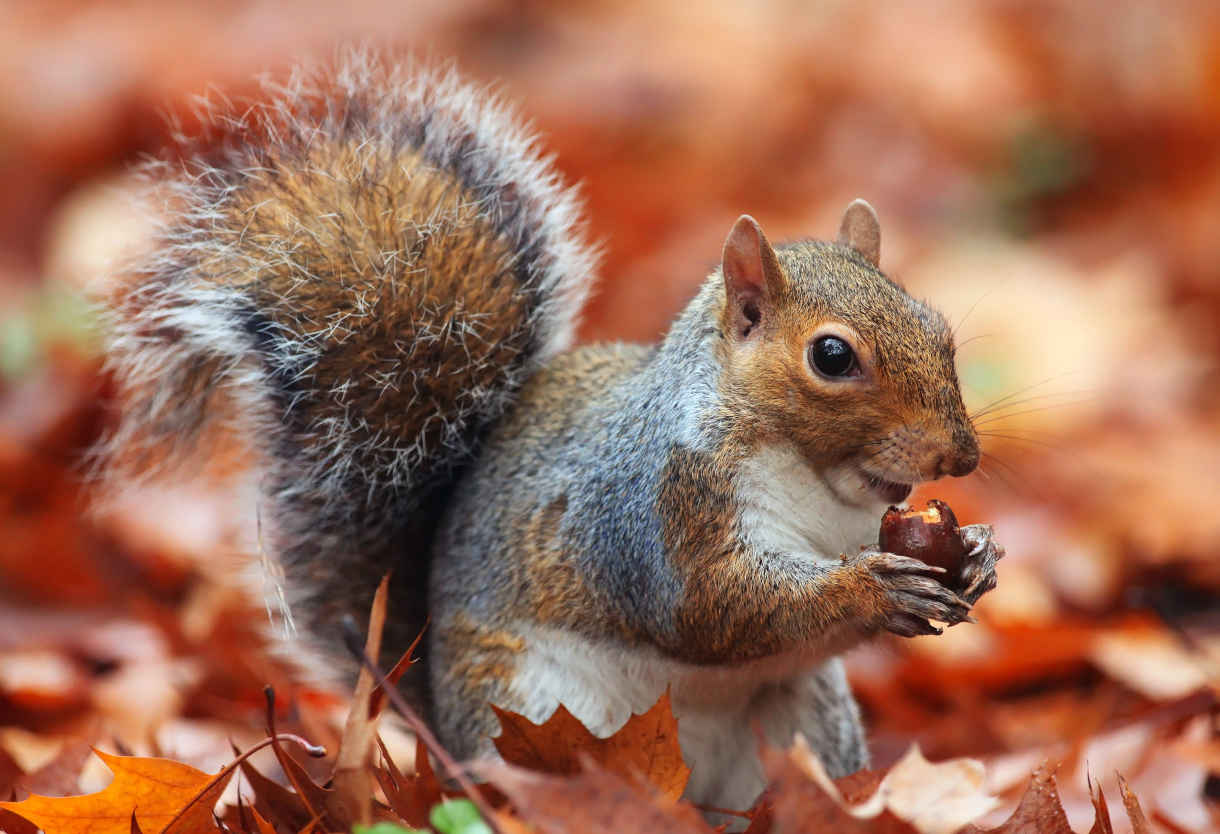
1047, 173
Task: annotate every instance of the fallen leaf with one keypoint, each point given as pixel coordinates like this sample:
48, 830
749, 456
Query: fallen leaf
352, 779
1139, 824
645, 748
411, 797
158, 789
934, 798
805, 799
10, 772
1038, 812
275, 800
197, 816
603, 801
1101, 812
318, 800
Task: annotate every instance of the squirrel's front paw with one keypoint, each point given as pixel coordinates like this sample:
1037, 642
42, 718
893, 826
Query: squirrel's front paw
978, 566
912, 596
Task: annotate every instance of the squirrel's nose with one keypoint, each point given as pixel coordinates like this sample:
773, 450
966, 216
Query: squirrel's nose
959, 462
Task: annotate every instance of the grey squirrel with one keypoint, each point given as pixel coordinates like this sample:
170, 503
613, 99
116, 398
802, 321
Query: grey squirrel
375, 278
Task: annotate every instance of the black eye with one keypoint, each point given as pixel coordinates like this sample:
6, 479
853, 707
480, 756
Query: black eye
832, 356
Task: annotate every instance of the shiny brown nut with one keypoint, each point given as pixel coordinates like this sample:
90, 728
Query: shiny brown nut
929, 535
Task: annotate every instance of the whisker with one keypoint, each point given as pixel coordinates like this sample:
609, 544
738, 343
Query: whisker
957, 347
975, 305
1014, 480
1009, 402
1026, 440
1007, 415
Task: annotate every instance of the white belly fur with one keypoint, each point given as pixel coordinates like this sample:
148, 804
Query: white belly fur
717, 707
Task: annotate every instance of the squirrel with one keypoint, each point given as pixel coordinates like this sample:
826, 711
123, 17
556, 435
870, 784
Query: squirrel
375, 278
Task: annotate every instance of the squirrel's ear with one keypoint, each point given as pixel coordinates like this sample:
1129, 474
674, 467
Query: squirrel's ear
752, 276
861, 231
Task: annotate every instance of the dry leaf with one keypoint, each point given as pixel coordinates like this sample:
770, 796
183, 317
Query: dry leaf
411, 797
1101, 812
602, 801
352, 778
805, 799
1039, 812
646, 747
935, 798
1139, 824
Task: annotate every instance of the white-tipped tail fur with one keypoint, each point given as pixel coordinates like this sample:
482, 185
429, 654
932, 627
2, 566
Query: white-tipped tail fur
357, 272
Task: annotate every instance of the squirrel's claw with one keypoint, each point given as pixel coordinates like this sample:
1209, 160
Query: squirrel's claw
913, 594
978, 571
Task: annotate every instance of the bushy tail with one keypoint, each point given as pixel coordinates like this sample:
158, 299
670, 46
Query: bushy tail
361, 273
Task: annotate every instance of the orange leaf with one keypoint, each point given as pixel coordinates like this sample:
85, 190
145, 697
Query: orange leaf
646, 747
158, 790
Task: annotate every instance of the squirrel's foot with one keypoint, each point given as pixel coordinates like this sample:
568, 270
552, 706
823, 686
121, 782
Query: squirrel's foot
978, 568
913, 596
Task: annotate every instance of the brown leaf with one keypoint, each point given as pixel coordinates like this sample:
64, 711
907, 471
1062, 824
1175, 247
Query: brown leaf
1139, 824
803, 801
159, 788
1101, 812
378, 699
411, 797
61, 775
602, 801
760, 815
10, 823
275, 800
315, 798
352, 778
646, 747
10, 772
1038, 812
264, 827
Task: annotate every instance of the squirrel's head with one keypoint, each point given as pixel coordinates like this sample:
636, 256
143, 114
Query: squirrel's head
825, 352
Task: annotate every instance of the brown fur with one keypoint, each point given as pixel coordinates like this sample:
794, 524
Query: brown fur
912, 384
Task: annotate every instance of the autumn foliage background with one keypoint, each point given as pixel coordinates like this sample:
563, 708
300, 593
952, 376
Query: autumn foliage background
1048, 173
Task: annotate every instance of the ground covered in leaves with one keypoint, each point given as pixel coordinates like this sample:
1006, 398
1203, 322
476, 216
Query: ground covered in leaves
1048, 173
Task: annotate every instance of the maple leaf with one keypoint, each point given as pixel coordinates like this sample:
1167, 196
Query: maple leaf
160, 792
646, 747
804, 799
601, 800
914, 795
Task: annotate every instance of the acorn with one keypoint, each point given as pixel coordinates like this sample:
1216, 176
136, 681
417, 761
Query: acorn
930, 535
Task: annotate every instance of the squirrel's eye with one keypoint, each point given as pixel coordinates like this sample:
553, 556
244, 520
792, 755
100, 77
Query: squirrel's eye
831, 356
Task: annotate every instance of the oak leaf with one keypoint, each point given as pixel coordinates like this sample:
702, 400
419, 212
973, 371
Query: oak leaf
1038, 811
159, 791
411, 797
646, 747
